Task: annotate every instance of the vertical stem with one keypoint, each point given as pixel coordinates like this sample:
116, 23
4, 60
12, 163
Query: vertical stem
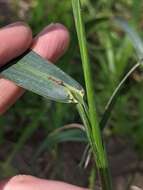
90, 118
105, 178
103, 167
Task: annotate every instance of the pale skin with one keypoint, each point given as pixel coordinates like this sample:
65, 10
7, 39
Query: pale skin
51, 43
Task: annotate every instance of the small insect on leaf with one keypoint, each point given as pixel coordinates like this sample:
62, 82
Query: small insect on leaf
40, 76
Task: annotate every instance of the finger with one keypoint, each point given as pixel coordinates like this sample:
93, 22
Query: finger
23, 182
14, 40
51, 44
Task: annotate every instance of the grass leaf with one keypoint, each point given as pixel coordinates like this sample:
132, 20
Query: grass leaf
134, 37
63, 134
110, 105
89, 116
138, 45
40, 76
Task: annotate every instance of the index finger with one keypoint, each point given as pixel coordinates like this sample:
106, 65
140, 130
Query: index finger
14, 40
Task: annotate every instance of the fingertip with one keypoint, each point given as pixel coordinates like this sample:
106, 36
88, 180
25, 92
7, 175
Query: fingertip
26, 30
15, 38
21, 27
22, 182
25, 33
52, 42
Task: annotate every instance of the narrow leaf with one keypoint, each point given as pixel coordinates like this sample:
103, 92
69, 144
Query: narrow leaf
60, 136
135, 38
111, 103
138, 45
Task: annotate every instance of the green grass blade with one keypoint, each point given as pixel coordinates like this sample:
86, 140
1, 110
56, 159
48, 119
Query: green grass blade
124, 51
87, 70
134, 37
61, 135
110, 105
138, 45
92, 128
85, 58
40, 76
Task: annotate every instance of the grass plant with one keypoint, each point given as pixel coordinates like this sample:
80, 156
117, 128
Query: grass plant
35, 74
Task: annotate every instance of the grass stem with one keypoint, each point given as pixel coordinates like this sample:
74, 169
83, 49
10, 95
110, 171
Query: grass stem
89, 116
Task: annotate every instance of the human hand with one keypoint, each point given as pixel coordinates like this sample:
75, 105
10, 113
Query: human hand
15, 39
51, 43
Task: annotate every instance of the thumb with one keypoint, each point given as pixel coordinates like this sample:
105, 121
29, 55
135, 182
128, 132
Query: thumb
23, 182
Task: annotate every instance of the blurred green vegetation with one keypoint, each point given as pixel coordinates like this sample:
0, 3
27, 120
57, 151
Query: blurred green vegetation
111, 57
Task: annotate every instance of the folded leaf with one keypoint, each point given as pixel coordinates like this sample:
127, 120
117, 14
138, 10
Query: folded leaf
40, 76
